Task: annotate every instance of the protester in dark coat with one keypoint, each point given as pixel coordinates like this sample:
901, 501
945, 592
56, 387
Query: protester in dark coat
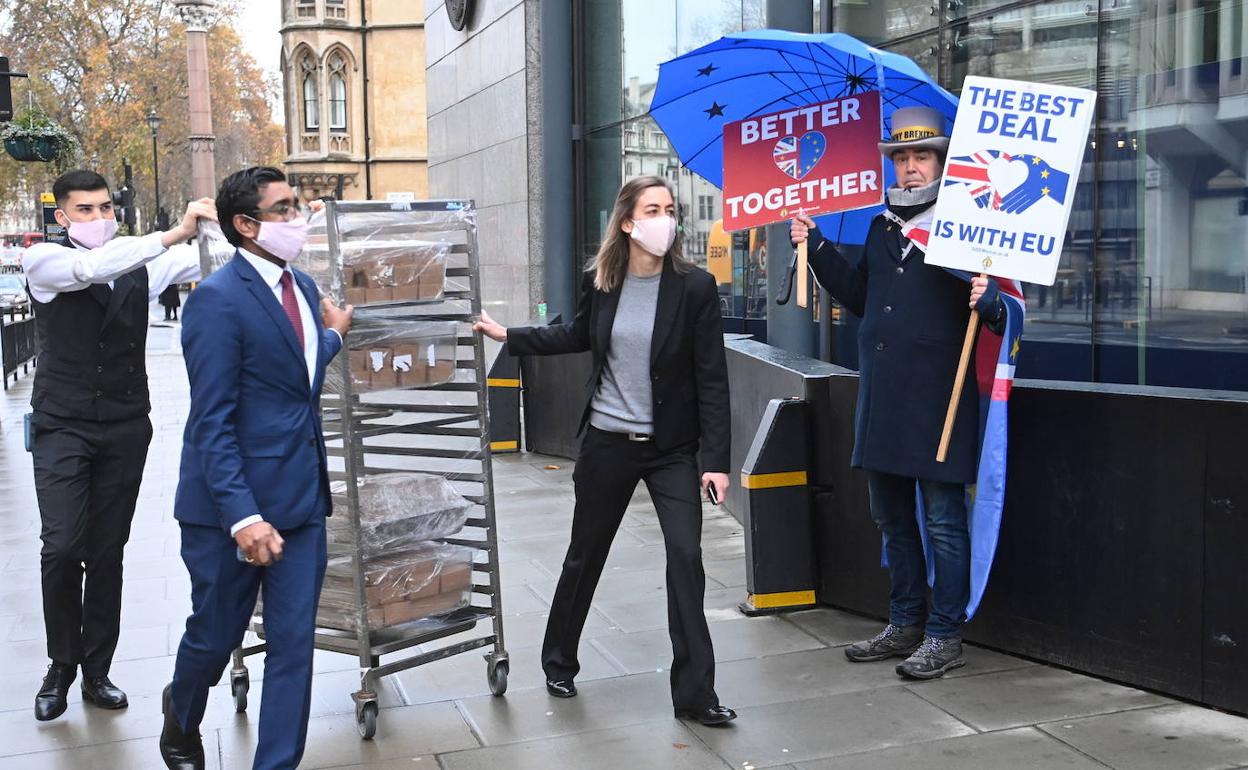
914, 320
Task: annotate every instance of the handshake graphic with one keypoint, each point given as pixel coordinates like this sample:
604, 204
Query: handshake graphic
1004, 182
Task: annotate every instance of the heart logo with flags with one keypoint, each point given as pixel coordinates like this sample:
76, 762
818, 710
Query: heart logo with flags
797, 157
1006, 174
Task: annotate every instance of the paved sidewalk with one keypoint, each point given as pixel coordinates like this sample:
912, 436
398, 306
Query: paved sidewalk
801, 704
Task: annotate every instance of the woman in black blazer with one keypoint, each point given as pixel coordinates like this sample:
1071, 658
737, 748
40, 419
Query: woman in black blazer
657, 402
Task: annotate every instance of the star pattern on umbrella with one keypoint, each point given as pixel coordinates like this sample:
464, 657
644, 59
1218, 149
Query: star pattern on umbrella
716, 110
706, 71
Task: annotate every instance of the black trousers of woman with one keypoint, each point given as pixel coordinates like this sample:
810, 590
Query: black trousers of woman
607, 472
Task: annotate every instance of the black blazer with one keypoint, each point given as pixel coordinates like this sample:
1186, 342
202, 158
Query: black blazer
688, 370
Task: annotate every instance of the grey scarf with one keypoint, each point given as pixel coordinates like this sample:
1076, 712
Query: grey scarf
907, 203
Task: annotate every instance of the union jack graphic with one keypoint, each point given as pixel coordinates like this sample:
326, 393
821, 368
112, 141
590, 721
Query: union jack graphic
972, 171
786, 156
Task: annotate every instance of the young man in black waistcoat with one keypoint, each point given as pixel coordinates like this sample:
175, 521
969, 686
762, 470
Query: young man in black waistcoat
90, 426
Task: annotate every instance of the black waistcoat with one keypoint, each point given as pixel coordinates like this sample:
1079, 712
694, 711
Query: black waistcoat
92, 346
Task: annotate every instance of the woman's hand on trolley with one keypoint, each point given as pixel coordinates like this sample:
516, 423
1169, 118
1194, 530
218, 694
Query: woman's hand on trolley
490, 328
720, 480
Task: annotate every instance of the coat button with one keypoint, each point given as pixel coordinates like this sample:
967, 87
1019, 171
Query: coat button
99, 394
130, 369
901, 270
888, 308
879, 346
101, 346
99, 368
133, 346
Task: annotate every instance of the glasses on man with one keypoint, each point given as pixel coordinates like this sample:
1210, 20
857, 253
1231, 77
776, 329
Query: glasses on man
286, 210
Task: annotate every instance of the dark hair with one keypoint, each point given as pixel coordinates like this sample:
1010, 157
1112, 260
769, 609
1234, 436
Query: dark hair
239, 193
78, 180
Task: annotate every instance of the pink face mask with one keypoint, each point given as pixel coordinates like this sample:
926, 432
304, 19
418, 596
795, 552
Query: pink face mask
93, 234
656, 235
283, 240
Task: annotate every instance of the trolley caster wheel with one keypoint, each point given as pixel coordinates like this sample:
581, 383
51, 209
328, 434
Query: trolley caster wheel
366, 720
238, 688
497, 674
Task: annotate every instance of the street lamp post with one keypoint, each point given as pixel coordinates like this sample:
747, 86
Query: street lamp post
153, 122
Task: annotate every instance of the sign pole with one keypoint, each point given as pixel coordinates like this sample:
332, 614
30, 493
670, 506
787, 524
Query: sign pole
803, 276
968, 342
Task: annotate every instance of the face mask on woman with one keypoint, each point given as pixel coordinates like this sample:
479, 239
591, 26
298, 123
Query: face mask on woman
656, 235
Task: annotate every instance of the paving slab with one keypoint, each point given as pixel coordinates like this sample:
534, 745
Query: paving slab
1029, 696
798, 730
1022, 748
644, 651
661, 744
1178, 736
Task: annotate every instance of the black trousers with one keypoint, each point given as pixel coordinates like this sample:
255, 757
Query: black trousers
87, 476
607, 472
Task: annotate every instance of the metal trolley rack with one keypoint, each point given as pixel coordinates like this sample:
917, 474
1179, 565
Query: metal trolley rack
439, 429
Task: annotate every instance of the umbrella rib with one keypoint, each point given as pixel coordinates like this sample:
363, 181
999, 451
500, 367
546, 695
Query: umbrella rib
822, 81
795, 72
687, 94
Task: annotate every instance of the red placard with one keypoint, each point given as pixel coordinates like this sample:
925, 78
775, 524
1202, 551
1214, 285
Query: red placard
820, 158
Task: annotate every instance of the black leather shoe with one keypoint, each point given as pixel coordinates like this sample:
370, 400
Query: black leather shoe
51, 701
103, 693
180, 750
561, 688
709, 716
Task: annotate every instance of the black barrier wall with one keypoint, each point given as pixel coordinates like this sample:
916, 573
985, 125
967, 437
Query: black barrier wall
1123, 541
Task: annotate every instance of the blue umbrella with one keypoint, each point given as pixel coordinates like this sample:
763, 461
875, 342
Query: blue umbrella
756, 72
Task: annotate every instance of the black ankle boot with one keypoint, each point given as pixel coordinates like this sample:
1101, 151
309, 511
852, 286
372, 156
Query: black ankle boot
180, 750
51, 701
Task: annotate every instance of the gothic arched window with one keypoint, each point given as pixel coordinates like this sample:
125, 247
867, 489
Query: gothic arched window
337, 93
311, 94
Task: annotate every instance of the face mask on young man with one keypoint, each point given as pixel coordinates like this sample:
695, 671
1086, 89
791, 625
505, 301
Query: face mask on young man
93, 234
284, 240
655, 235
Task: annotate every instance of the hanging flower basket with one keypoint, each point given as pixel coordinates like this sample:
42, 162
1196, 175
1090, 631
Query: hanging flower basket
33, 136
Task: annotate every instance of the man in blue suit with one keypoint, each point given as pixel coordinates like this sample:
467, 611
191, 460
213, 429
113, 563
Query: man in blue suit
254, 489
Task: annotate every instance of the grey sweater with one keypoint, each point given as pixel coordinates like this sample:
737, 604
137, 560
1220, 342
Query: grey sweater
622, 402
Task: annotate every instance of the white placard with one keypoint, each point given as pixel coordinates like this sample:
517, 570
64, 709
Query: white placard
1010, 177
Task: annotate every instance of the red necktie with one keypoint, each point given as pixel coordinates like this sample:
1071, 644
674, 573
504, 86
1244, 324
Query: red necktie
291, 306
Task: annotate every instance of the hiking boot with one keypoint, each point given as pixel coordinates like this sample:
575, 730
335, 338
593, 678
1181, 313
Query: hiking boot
892, 642
933, 658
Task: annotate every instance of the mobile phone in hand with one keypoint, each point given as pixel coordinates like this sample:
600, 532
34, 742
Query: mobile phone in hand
712, 493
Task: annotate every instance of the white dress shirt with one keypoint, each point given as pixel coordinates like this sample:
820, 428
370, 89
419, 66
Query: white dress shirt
52, 268
271, 274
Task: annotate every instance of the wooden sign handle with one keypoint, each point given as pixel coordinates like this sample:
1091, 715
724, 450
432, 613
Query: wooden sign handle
803, 276
968, 342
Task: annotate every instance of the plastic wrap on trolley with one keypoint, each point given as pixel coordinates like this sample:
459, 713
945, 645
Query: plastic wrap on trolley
399, 511
385, 354
220, 251
386, 253
419, 584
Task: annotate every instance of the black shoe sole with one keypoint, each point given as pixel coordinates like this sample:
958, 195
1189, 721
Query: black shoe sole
936, 674
884, 656
693, 716
86, 698
50, 717
560, 693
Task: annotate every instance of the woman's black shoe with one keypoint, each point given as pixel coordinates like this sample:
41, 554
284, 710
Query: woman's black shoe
51, 701
103, 693
561, 688
711, 715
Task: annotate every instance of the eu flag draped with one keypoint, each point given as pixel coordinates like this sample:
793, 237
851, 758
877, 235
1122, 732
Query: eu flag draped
995, 359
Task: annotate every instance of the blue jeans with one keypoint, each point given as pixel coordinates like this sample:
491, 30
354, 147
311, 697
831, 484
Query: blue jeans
893, 500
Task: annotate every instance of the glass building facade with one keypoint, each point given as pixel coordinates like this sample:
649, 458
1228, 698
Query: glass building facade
1153, 283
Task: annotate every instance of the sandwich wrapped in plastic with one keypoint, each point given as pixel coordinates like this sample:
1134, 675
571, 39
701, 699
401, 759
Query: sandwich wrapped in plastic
417, 584
399, 511
386, 252
385, 354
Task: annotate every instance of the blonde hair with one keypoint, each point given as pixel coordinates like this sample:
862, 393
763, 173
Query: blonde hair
610, 264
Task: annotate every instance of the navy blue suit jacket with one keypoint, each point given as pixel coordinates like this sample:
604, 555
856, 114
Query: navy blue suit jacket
253, 442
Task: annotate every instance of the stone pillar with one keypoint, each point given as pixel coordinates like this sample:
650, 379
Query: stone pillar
197, 15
